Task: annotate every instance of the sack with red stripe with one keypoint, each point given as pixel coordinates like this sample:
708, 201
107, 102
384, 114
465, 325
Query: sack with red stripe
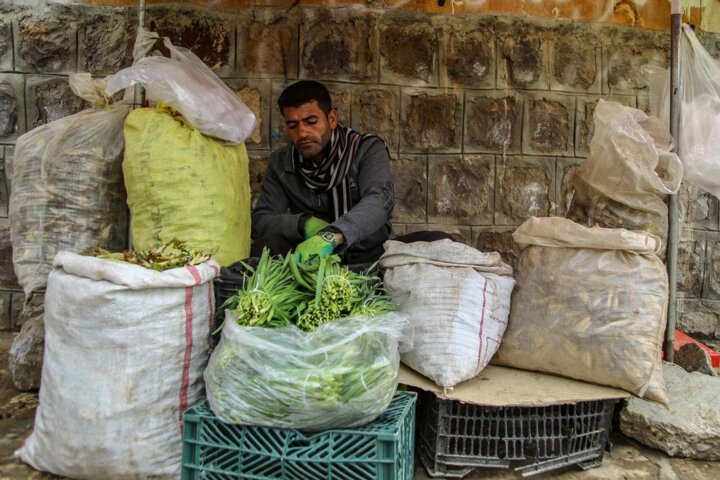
458, 302
125, 348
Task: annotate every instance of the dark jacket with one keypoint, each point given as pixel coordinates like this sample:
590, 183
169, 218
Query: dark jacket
284, 198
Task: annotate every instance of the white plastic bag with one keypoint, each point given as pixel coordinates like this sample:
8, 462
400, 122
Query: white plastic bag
699, 138
125, 348
457, 299
186, 84
590, 304
343, 374
67, 188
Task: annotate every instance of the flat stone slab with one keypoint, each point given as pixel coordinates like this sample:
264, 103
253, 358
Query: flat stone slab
689, 426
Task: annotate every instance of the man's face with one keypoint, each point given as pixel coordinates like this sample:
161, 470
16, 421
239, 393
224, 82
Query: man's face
309, 129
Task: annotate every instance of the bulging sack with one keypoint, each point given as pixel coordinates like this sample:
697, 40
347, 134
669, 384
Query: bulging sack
125, 348
457, 299
590, 304
343, 374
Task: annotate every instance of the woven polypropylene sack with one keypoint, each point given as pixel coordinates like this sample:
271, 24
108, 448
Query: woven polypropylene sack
67, 189
590, 304
457, 299
125, 348
182, 184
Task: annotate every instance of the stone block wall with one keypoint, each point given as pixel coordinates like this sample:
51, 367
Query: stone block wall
486, 116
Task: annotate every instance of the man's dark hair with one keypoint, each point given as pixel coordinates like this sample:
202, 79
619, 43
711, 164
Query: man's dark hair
305, 91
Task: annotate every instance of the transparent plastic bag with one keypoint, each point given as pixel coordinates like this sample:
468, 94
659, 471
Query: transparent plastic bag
186, 84
630, 169
343, 374
699, 136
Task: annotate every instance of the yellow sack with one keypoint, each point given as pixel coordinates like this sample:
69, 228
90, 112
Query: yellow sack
182, 184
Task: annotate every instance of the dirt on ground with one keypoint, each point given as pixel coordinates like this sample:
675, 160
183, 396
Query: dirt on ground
628, 460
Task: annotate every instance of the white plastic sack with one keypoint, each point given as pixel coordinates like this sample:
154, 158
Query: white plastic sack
125, 348
343, 374
590, 304
67, 188
186, 84
457, 299
630, 169
699, 136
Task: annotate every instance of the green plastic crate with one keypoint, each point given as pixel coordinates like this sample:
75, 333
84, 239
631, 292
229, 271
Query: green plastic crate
380, 450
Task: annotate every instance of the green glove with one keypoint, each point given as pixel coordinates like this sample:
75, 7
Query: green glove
313, 225
315, 245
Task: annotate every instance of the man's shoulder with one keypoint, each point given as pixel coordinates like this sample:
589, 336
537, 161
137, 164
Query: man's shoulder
280, 158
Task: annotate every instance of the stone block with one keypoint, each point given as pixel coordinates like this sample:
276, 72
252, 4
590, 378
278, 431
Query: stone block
268, 46
689, 426
5, 320
26, 352
45, 40
711, 287
691, 265
207, 33
467, 58
625, 56
461, 189
411, 185
575, 63
337, 48
694, 358
376, 111
493, 122
462, 233
12, 106
105, 40
699, 318
16, 306
4, 188
409, 52
525, 188
7, 272
258, 166
497, 239
256, 95
50, 98
585, 126
566, 168
643, 103
6, 46
522, 58
431, 121
698, 208
549, 125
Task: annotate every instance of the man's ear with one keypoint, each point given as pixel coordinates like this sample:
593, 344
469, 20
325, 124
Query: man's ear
333, 118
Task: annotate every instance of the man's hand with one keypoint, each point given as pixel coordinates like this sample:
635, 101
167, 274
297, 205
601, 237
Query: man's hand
315, 245
313, 225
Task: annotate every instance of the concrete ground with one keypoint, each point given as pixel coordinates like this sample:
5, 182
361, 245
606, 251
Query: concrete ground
627, 461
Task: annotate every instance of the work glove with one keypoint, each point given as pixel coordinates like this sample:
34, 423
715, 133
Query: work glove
313, 225
315, 245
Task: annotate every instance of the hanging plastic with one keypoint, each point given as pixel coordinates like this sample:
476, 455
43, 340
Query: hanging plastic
699, 136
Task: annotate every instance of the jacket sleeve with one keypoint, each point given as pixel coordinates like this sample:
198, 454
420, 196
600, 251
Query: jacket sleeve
377, 198
270, 212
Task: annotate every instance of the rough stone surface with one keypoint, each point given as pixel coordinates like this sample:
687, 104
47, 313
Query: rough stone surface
698, 209
549, 122
106, 41
522, 57
6, 46
461, 189
712, 275
408, 53
492, 124
26, 352
699, 318
470, 58
45, 41
693, 358
410, 181
7, 272
691, 255
576, 63
566, 168
8, 111
625, 60
252, 97
689, 426
258, 166
270, 48
497, 240
378, 114
16, 306
525, 188
338, 50
49, 99
431, 122
5, 320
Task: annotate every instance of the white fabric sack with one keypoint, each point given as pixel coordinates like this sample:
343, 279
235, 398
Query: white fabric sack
125, 348
458, 301
590, 304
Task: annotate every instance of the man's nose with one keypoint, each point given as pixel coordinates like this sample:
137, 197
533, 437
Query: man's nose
303, 130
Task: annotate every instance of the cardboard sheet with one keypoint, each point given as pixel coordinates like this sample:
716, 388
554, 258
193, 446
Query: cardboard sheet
503, 386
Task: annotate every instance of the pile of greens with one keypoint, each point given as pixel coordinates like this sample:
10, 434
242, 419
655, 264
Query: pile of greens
172, 254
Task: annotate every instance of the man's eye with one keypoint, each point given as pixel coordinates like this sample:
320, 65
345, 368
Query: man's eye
290, 126
312, 122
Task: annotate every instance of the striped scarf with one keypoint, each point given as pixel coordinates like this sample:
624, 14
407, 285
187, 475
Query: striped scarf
332, 174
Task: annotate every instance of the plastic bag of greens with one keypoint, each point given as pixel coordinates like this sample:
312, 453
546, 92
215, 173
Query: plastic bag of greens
343, 374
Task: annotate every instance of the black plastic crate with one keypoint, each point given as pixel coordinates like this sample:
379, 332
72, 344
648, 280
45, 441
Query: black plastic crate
454, 438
